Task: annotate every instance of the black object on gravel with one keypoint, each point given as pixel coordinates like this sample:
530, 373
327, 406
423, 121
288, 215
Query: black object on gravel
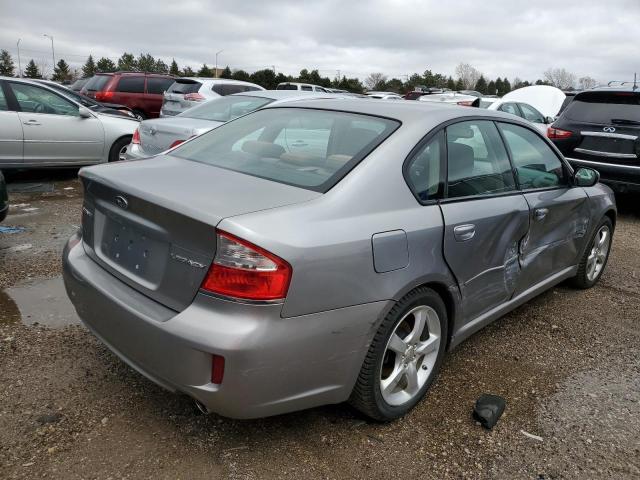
488, 410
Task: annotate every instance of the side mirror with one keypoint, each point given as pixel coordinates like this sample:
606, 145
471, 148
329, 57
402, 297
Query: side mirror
84, 112
586, 177
549, 120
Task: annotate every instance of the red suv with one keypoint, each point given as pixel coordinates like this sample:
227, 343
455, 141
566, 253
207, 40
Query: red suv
142, 92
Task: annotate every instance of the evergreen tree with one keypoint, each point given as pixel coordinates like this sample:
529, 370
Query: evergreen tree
459, 85
506, 87
241, 75
105, 65
6, 64
499, 86
491, 88
451, 84
394, 85
188, 72
89, 68
481, 85
205, 71
173, 69
32, 70
127, 62
146, 62
265, 78
61, 73
226, 73
160, 67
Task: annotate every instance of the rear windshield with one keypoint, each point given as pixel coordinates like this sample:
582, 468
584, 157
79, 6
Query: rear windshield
287, 86
306, 148
97, 83
226, 108
184, 86
604, 107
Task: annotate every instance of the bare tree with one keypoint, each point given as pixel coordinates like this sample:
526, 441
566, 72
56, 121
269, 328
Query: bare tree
585, 83
560, 78
468, 74
375, 81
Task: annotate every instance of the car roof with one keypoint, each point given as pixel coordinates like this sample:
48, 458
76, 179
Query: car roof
216, 80
415, 114
288, 94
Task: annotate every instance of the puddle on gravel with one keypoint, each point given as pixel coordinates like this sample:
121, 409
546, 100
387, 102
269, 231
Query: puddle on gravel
44, 302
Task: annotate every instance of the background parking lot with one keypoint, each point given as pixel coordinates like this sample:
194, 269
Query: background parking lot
567, 364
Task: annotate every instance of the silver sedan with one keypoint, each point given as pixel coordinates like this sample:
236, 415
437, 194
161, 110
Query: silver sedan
324, 251
159, 134
40, 127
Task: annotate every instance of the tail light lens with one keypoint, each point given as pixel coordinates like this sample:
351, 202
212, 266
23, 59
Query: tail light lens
466, 103
558, 133
243, 270
194, 97
104, 96
136, 137
217, 369
176, 143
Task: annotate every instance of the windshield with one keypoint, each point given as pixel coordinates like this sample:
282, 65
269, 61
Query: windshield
604, 107
306, 148
226, 108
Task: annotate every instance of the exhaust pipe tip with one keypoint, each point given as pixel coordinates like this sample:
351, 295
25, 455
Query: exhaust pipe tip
201, 407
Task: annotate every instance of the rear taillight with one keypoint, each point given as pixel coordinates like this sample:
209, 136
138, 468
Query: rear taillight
176, 143
136, 137
243, 270
466, 103
557, 133
104, 96
194, 97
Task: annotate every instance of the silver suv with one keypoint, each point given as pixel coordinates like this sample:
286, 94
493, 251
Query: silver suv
190, 91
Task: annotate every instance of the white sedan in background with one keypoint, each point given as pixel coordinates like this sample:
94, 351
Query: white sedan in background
519, 109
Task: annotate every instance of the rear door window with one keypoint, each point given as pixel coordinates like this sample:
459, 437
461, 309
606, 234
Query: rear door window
477, 162
306, 88
231, 88
509, 108
535, 162
158, 85
130, 84
531, 113
97, 83
287, 86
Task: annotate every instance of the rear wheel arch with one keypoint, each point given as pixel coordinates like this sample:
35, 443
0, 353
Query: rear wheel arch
116, 144
612, 216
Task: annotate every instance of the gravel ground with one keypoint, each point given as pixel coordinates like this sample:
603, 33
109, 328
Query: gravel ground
567, 364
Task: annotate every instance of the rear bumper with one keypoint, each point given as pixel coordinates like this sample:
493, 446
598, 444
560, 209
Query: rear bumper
619, 177
135, 152
273, 365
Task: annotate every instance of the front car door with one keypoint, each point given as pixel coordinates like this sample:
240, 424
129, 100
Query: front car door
54, 132
559, 212
485, 216
10, 131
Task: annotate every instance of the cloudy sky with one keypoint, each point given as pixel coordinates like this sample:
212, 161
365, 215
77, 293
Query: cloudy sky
398, 37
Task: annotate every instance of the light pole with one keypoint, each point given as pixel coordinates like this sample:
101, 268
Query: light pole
53, 53
219, 51
19, 66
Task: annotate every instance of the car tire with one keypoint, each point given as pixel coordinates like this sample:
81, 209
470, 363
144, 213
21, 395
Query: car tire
139, 114
117, 149
375, 394
594, 260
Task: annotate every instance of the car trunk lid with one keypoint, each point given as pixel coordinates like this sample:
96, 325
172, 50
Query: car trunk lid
159, 135
152, 224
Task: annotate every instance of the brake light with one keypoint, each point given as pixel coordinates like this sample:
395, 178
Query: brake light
104, 96
176, 143
243, 270
557, 133
194, 97
466, 103
217, 369
136, 137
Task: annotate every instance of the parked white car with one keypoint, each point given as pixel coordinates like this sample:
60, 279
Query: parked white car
386, 96
544, 98
304, 87
188, 92
519, 109
39, 127
454, 98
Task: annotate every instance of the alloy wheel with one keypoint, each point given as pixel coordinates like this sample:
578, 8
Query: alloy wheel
410, 355
599, 251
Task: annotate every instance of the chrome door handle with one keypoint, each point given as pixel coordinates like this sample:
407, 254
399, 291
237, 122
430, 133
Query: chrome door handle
462, 233
540, 213
31, 122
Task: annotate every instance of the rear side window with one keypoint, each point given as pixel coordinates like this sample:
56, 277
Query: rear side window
231, 88
306, 88
225, 109
536, 164
3, 100
311, 149
287, 86
424, 171
184, 86
128, 84
604, 107
97, 83
158, 85
477, 162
